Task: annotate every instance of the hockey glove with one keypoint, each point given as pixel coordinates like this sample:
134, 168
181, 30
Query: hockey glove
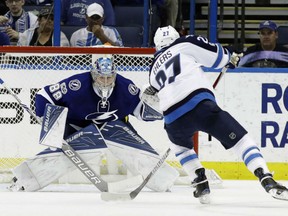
150, 90
234, 60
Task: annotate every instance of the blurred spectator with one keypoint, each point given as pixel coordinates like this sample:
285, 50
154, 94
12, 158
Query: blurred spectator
16, 20
4, 39
38, 2
3, 7
179, 21
73, 12
43, 34
267, 53
167, 10
95, 33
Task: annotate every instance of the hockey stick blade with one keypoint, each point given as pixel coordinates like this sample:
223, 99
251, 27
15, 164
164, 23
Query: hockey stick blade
279, 194
107, 196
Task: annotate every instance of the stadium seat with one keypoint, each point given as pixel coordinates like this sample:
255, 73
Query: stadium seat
128, 15
134, 16
69, 30
132, 36
282, 35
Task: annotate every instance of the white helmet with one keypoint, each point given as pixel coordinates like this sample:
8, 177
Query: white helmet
165, 36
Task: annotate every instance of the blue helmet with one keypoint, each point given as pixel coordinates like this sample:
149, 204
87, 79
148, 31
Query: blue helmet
103, 75
104, 66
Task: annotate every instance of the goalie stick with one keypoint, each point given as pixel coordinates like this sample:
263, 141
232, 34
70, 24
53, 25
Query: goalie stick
71, 154
107, 196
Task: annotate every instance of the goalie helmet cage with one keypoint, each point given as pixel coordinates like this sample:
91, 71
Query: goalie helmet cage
27, 69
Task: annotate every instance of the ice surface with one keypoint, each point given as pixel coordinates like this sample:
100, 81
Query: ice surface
236, 198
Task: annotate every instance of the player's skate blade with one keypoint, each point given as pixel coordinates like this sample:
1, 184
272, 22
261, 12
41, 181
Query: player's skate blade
205, 199
201, 185
279, 194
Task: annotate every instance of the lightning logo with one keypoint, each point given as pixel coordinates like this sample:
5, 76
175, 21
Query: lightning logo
101, 117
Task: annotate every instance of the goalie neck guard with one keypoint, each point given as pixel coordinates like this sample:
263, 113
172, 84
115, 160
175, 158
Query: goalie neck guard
103, 75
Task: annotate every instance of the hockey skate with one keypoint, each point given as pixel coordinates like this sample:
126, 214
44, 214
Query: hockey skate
202, 186
15, 187
276, 190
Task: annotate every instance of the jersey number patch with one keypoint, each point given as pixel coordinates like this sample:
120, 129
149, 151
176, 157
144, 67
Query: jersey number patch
161, 76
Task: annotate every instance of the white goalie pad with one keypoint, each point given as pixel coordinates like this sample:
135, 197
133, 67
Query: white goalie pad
46, 167
141, 162
137, 155
53, 126
40, 171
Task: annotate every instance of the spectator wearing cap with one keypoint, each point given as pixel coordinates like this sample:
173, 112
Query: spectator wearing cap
16, 20
42, 35
73, 12
267, 53
4, 39
95, 33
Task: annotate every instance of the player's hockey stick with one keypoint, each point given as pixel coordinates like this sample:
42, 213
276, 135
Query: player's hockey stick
71, 154
221, 74
107, 196
223, 71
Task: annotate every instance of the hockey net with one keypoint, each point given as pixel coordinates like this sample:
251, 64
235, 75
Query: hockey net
27, 69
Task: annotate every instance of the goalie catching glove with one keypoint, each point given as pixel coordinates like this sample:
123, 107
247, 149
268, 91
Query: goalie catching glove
234, 60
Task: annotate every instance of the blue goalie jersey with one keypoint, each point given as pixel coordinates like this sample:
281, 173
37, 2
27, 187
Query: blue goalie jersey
84, 105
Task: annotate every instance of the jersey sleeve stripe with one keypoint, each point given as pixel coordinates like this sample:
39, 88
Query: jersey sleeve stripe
219, 57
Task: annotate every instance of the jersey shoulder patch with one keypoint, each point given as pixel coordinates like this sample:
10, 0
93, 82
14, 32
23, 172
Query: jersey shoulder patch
74, 84
133, 89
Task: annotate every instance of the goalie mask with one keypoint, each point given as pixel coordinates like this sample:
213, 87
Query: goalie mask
103, 75
165, 36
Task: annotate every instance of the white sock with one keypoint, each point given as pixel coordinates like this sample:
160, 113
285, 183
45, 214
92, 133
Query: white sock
247, 149
188, 159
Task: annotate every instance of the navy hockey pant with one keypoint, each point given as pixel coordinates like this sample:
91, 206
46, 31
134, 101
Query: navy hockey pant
208, 117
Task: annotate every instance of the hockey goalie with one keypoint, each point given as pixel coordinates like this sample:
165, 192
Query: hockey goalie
90, 111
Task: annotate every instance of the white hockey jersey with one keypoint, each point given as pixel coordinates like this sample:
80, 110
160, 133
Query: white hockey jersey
177, 74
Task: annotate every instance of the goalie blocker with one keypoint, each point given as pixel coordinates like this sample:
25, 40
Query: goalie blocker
118, 137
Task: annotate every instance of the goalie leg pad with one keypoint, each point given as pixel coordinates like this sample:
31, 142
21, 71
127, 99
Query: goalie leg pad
24, 179
40, 171
138, 156
36, 173
141, 162
48, 166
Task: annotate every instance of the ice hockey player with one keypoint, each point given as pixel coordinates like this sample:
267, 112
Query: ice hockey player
95, 98
188, 104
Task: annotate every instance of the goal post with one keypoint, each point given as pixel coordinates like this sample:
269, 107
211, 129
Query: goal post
27, 69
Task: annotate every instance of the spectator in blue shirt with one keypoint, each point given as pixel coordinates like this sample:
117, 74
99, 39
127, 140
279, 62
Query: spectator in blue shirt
16, 20
266, 53
74, 12
4, 39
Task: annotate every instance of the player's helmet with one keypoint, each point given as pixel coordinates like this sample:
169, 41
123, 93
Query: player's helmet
165, 36
103, 75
